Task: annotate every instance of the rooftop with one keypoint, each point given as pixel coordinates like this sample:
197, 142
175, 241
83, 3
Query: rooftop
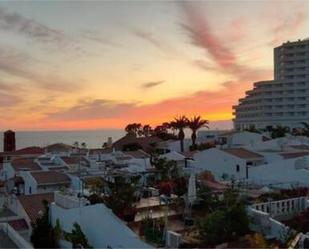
243, 153
294, 154
145, 142
33, 203
50, 177
22, 163
138, 154
59, 147
19, 225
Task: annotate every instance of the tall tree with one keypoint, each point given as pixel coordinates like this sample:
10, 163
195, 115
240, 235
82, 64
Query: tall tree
195, 124
147, 130
43, 234
133, 129
180, 124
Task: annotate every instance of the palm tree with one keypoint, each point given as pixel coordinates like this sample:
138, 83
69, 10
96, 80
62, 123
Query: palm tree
306, 128
194, 124
180, 124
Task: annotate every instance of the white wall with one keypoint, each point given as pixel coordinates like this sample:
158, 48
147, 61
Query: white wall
280, 172
30, 184
219, 163
244, 138
101, 227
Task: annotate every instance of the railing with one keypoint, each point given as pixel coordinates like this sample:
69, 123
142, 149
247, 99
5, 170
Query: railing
69, 201
282, 207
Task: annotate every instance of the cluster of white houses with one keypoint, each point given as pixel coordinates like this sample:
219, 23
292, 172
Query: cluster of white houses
33, 174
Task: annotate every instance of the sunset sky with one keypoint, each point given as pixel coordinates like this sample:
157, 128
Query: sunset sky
99, 64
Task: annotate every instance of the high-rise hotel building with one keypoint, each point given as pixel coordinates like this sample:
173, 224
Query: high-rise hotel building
284, 100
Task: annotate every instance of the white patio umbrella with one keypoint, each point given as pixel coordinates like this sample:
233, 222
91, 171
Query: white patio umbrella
192, 189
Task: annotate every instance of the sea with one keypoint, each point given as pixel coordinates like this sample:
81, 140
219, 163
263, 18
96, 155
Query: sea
92, 138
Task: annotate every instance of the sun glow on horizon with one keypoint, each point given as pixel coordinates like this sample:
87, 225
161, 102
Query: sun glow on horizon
157, 61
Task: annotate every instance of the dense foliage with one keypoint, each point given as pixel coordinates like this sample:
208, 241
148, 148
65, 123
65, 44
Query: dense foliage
77, 237
228, 222
43, 235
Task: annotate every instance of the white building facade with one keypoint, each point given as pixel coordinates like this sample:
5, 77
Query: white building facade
283, 101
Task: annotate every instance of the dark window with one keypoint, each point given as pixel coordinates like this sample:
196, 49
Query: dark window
237, 168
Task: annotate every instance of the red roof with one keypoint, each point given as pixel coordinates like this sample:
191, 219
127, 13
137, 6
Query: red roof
33, 150
70, 160
138, 154
100, 151
50, 177
294, 154
32, 204
243, 153
19, 225
59, 147
300, 147
24, 163
147, 143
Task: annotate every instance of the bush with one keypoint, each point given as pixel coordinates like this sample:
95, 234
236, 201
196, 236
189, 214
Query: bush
224, 224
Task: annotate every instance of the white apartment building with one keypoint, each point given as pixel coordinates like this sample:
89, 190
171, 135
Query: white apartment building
284, 100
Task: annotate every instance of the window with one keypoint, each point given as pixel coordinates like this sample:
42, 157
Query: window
237, 168
30, 190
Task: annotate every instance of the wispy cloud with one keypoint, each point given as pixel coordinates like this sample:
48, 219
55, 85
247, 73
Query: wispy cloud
23, 66
152, 84
97, 37
162, 46
28, 27
287, 26
93, 109
202, 35
9, 99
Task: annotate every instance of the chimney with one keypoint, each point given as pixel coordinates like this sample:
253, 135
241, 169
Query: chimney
109, 141
9, 141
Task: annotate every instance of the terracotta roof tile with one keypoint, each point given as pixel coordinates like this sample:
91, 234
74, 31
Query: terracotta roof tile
242, 153
300, 147
145, 142
138, 154
59, 147
294, 154
50, 177
22, 163
70, 160
32, 204
19, 225
32, 150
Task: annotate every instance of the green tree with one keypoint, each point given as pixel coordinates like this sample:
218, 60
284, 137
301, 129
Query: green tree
77, 237
279, 131
134, 129
43, 234
252, 129
122, 195
305, 129
167, 168
147, 130
227, 223
195, 124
